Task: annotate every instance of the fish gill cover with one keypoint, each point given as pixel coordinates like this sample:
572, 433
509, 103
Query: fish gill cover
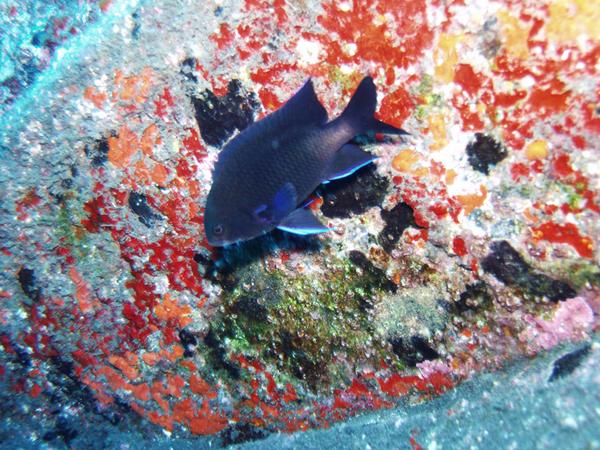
470, 244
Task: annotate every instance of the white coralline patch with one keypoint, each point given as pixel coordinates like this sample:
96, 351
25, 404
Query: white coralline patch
161, 284
350, 49
308, 52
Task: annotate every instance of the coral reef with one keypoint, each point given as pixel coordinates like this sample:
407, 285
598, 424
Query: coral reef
466, 245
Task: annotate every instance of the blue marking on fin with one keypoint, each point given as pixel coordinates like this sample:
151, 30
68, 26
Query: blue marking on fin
351, 171
346, 161
262, 214
283, 202
304, 231
301, 221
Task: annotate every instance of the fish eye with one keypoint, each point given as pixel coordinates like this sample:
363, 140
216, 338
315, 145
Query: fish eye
218, 229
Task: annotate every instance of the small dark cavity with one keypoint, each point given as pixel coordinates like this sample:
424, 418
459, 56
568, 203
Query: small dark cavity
508, 266
219, 355
98, 152
475, 297
219, 117
397, 219
62, 429
65, 390
188, 341
38, 39
242, 432
14, 86
67, 183
566, 364
216, 271
250, 307
378, 276
188, 67
218, 11
598, 110
354, 194
135, 32
413, 351
139, 205
301, 365
28, 283
484, 152
29, 69
186, 338
21, 356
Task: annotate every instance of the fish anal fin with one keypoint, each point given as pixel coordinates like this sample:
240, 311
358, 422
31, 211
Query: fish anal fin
346, 161
301, 221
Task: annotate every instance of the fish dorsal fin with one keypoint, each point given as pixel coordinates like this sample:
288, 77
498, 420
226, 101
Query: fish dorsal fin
304, 108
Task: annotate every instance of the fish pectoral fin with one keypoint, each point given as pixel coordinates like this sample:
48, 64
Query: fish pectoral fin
302, 221
346, 161
285, 199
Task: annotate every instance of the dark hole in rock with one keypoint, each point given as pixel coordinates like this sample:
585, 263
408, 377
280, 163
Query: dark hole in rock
476, 296
28, 283
186, 338
242, 432
250, 307
414, 351
219, 117
301, 366
139, 205
63, 429
397, 219
566, 364
219, 356
98, 152
354, 194
188, 67
508, 266
378, 276
484, 152
135, 31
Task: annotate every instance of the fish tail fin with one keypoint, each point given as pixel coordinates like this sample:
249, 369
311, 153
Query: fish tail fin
359, 113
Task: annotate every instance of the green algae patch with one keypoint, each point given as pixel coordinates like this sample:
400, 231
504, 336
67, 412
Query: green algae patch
315, 328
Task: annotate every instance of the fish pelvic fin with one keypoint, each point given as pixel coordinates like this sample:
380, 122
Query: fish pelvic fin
359, 113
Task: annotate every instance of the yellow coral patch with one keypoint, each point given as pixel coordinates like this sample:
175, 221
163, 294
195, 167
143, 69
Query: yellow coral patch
437, 126
570, 19
404, 160
537, 150
446, 56
515, 34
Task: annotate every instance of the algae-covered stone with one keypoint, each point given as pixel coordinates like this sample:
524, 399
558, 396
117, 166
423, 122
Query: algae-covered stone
412, 312
313, 327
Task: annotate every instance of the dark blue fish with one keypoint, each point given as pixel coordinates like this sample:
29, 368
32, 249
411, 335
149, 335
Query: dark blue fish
265, 174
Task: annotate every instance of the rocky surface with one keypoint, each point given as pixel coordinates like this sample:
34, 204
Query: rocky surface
468, 245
